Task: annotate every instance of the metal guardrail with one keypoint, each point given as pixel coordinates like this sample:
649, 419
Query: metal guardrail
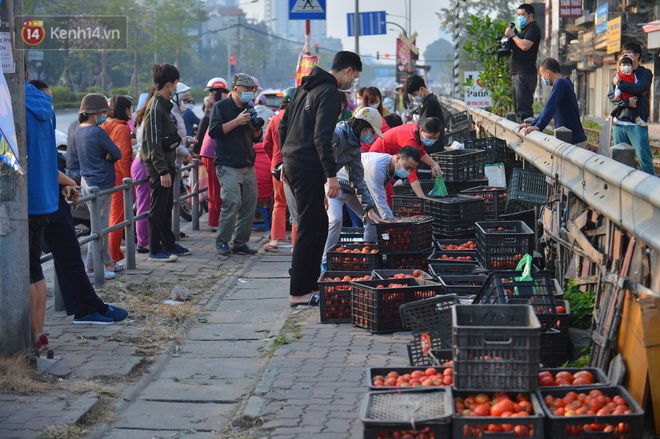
628, 197
593, 140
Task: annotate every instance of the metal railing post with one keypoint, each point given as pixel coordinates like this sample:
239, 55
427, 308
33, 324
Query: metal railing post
95, 223
176, 185
129, 230
564, 134
195, 191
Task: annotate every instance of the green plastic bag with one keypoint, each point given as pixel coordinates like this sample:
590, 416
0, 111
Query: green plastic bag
439, 188
524, 265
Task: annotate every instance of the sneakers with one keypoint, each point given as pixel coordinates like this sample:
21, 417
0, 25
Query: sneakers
94, 318
222, 248
115, 313
142, 250
107, 275
243, 250
162, 256
180, 251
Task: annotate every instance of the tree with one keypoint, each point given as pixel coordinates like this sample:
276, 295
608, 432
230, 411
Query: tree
499, 10
440, 56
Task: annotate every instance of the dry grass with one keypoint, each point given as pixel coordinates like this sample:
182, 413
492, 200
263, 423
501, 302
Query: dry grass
18, 377
62, 432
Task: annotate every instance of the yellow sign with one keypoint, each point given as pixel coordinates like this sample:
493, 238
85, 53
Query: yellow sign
614, 35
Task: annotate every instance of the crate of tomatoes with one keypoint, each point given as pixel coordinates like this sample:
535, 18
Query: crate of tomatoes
353, 257
453, 256
407, 205
391, 378
454, 215
438, 268
591, 411
402, 261
335, 294
386, 273
375, 303
497, 414
502, 244
568, 377
494, 200
405, 234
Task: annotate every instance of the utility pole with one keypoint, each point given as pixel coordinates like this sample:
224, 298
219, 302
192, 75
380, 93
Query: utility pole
357, 26
14, 284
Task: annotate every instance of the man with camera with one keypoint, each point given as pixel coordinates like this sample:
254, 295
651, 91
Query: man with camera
524, 49
235, 126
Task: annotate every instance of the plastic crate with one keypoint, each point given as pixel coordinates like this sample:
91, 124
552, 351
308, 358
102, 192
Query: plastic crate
462, 284
554, 348
501, 244
348, 261
600, 378
386, 273
496, 149
448, 245
398, 261
565, 427
505, 287
459, 135
351, 234
563, 319
494, 200
438, 268
407, 205
457, 256
527, 190
377, 309
405, 234
373, 372
526, 216
461, 164
406, 189
496, 347
335, 296
435, 357
453, 187
454, 215
479, 426
426, 410
458, 120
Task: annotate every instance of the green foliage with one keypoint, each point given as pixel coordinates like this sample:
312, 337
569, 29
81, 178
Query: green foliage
62, 94
592, 124
500, 10
482, 46
120, 91
581, 362
582, 306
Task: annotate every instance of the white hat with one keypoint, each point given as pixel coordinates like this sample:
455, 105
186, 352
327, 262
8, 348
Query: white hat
181, 87
372, 116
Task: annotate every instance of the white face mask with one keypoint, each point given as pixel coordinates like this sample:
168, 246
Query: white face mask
376, 105
626, 69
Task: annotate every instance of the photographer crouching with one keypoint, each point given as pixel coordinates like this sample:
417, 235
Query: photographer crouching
235, 127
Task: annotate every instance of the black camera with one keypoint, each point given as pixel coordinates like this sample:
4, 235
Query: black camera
256, 121
505, 44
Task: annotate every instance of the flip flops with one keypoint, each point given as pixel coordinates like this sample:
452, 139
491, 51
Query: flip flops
314, 300
270, 248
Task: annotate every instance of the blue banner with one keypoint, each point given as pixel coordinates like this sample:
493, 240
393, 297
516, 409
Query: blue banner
601, 18
8, 144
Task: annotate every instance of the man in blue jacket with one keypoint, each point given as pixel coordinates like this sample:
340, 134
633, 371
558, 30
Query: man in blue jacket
561, 106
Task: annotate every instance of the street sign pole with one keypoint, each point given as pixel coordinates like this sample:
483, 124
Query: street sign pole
357, 27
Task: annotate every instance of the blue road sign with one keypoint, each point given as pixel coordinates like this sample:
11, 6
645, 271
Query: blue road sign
371, 23
306, 9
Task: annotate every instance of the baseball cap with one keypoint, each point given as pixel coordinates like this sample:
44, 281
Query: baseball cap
243, 79
372, 116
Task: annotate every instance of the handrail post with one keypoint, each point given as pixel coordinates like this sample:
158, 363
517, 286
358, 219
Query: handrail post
176, 185
195, 191
95, 223
129, 230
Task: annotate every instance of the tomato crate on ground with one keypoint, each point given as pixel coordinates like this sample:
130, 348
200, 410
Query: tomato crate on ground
428, 409
386, 273
612, 426
459, 257
462, 284
458, 120
459, 135
554, 348
494, 200
422, 357
527, 190
453, 187
406, 189
450, 245
563, 318
373, 373
353, 257
529, 217
496, 347
351, 234
498, 426
438, 268
495, 148
375, 305
600, 378
335, 295
397, 261
501, 244
454, 215
461, 164
405, 234
507, 287
407, 205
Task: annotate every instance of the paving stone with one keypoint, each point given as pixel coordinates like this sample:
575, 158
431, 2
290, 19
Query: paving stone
175, 416
124, 433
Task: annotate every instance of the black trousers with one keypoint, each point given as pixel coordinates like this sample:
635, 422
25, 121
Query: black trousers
307, 187
78, 293
161, 236
524, 85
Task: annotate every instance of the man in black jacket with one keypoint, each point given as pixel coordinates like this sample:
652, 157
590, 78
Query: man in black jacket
235, 136
429, 106
309, 162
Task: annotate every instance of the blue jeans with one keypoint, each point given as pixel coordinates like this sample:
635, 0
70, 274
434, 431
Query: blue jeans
638, 137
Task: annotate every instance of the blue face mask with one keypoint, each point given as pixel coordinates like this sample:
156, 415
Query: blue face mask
417, 99
427, 141
401, 173
101, 120
522, 21
190, 107
368, 139
546, 82
246, 96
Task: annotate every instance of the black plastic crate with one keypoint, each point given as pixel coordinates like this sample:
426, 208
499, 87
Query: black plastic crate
407, 205
406, 189
507, 288
397, 261
335, 295
494, 200
342, 257
405, 234
526, 216
462, 284
438, 268
375, 372
459, 135
501, 244
453, 187
351, 234
457, 256
600, 378
554, 348
377, 309
494, 426
580, 426
461, 164
496, 149
421, 357
420, 410
454, 215
386, 273
496, 348
563, 319
527, 190
458, 120
450, 245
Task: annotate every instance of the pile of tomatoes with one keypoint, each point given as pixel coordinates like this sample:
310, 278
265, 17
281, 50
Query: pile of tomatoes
415, 274
469, 245
566, 378
345, 285
407, 434
348, 258
417, 378
498, 405
456, 258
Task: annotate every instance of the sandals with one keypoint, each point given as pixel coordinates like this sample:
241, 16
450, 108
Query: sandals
117, 267
314, 300
270, 248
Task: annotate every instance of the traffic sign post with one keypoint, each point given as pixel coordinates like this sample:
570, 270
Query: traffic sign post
306, 9
371, 23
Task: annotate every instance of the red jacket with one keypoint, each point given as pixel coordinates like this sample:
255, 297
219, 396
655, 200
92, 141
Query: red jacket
262, 169
395, 139
119, 132
272, 140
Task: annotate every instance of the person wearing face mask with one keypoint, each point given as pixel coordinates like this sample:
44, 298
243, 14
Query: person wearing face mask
427, 106
524, 51
181, 99
309, 164
371, 98
235, 135
626, 75
419, 135
189, 117
561, 106
97, 154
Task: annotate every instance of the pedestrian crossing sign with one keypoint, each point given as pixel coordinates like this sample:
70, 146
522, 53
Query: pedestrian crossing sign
306, 9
